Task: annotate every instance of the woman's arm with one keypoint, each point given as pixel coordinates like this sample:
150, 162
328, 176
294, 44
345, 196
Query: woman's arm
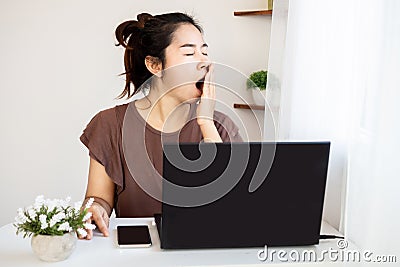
210, 132
101, 188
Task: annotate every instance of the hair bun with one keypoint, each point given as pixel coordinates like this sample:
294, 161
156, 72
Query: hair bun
143, 18
128, 32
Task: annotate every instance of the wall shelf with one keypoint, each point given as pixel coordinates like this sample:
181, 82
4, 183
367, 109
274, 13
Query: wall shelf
246, 106
253, 13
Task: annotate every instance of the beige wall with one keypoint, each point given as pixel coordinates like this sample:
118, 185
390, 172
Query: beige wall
59, 67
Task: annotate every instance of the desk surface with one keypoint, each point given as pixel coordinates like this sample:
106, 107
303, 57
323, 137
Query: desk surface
101, 251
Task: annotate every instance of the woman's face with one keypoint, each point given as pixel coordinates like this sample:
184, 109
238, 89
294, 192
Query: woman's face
186, 63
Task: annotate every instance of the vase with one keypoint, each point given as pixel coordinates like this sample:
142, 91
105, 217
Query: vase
259, 96
53, 247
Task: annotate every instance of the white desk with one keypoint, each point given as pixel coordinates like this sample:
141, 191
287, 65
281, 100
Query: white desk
101, 251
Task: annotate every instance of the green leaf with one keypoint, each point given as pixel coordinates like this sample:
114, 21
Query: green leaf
258, 79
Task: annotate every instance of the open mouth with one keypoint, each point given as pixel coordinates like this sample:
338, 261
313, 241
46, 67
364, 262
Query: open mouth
200, 84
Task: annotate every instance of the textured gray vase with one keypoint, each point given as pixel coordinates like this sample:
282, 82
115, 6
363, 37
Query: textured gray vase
53, 248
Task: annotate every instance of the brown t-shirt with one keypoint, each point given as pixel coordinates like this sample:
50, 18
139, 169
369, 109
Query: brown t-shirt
131, 152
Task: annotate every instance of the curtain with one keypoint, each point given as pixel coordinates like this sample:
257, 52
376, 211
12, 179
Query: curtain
337, 69
372, 210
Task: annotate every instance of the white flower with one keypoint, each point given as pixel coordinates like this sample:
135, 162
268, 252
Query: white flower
21, 218
51, 204
31, 212
87, 216
65, 203
20, 212
89, 226
56, 218
18, 220
39, 201
77, 205
81, 232
43, 222
89, 203
65, 227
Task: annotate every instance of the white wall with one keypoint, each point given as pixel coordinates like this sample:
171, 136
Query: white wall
59, 67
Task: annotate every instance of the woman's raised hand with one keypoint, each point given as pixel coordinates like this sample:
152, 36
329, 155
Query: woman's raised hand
205, 109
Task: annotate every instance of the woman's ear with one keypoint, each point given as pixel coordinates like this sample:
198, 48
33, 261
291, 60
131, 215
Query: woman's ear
154, 65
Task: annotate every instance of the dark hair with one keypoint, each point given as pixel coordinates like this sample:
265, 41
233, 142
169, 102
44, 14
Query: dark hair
148, 36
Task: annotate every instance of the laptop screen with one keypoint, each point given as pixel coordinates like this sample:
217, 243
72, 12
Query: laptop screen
243, 194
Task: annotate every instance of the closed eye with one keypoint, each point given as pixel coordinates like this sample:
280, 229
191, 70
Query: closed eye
192, 54
193, 46
189, 54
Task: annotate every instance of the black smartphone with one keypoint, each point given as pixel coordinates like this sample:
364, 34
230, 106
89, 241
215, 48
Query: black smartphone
133, 236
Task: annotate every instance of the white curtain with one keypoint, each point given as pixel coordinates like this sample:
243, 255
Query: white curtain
339, 81
372, 211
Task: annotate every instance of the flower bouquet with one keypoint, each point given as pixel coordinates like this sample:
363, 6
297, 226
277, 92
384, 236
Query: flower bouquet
52, 225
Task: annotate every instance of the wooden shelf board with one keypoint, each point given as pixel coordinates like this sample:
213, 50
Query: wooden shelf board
246, 106
253, 13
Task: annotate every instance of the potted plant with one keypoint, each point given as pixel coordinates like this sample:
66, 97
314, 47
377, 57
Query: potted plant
53, 225
257, 82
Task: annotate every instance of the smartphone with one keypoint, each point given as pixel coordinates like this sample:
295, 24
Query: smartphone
133, 236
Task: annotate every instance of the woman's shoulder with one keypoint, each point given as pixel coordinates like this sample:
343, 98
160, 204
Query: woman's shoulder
113, 115
113, 111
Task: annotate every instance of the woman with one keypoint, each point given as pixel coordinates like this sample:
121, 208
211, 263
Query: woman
166, 56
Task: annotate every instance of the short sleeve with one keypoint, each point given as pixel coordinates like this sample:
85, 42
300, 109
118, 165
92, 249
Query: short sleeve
227, 129
101, 137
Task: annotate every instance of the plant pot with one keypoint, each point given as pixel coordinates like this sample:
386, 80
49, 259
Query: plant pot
259, 96
53, 248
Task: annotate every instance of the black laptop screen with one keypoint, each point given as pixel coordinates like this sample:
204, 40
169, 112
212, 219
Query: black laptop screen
284, 209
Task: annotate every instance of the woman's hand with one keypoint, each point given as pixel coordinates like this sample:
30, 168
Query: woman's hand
205, 109
101, 188
100, 218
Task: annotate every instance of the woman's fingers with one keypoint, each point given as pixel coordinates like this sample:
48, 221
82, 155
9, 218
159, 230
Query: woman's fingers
101, 224
100, 218
89, 234
209, 87
211, 82
205, 109
88, 231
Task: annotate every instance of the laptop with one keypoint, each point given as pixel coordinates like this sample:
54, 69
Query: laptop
235, 195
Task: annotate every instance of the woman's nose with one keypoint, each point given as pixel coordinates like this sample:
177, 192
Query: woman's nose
204, 62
